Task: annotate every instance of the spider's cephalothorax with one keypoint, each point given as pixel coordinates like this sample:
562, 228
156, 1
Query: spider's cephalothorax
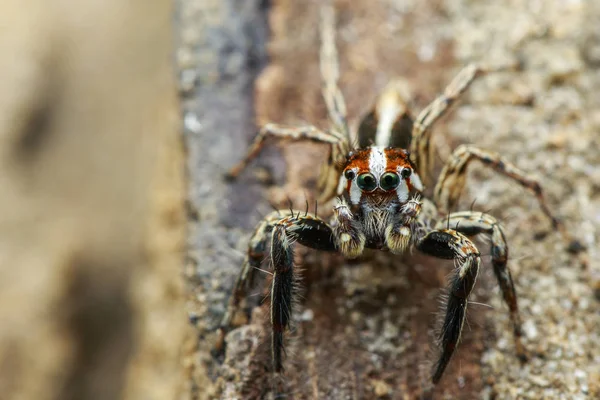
379, 204
376, 183
376, 176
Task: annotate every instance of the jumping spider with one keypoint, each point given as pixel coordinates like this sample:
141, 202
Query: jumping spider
379, 205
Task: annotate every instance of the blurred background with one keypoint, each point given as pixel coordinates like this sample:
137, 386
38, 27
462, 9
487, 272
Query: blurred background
91, 200
120, 242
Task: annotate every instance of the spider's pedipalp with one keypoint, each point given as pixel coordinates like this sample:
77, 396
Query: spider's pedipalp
449, 244
350, 238
400, 235
453, 178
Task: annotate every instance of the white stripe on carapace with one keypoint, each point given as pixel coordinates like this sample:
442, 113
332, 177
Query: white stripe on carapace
377, 161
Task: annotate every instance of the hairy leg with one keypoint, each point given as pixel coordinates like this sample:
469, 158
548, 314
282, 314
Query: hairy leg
309, 231
449, 244
336, 105
338, 139
421, 135
256, 253
453, 177
281, 132
471, 223
282, 229
330, 71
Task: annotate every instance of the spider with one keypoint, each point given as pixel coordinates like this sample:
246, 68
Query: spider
377, 185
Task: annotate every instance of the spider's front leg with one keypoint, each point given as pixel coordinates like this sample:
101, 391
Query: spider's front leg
449, 244
283, 229
309, 231
255, 255
471, 223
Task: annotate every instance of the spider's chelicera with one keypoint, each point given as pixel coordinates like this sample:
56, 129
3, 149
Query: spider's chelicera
378, 203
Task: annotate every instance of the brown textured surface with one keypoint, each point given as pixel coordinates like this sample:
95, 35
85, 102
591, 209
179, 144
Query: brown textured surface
363, 329
91, 220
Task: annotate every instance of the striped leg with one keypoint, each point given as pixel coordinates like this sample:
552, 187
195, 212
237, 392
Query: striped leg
471, 223
255, 255
330, 71
449, 244
282, 229
280, 132
421, 134
452, 179
309, 231
336, 105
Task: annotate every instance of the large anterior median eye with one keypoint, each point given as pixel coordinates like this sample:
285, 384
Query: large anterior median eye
389, 181
366, 182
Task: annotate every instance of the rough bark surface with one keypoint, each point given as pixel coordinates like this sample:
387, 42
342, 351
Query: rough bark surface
363, 329
91, 200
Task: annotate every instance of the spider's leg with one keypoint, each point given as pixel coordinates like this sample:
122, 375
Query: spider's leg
472, 223
280, 228
390, 122
336, 105
309, 231
452, 179
281, 132
330, 71
449, 244
257, 248
421, 134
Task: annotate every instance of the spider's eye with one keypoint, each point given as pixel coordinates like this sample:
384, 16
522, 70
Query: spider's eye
349, 174
366, 182
406, 173
389, 181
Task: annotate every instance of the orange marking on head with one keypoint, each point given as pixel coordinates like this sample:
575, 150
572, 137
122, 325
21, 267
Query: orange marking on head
396, 158
360, 160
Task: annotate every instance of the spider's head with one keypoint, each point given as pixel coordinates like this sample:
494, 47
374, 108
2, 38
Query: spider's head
379, 175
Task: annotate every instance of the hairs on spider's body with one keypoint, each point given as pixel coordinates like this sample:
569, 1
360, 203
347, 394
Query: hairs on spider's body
378, 188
